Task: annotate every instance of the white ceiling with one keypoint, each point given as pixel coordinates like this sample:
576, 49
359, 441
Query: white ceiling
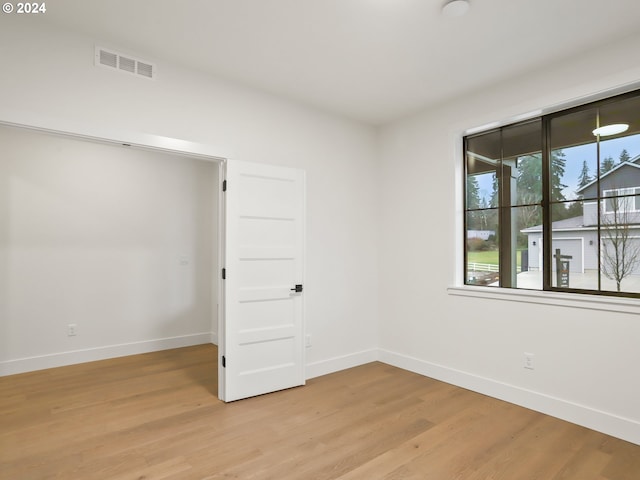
371, 60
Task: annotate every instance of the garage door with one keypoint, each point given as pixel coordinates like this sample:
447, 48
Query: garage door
572, 247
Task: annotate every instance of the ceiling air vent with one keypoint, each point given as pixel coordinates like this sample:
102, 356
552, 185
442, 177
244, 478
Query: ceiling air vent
124, 63
108, 59
146, 69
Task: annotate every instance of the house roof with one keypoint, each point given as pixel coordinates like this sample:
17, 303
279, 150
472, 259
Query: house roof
634, 163
573, 223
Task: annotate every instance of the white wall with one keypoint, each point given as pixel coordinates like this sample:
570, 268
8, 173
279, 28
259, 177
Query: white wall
585, 359
49, 73
118, 241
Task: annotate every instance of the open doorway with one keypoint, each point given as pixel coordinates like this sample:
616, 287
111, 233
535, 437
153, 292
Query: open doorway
105, 249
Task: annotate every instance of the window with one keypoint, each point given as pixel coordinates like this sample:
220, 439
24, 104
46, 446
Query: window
553, 203
621, 199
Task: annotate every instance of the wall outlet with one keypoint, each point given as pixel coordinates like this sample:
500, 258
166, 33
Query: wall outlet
72, 330
307, 340
528, 361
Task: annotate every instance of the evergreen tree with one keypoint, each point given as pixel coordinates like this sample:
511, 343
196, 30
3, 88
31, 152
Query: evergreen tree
484, 215
473, 192
574, 209
606, 165
558, 163
559, 211
473, 202
624, 156
529, 180
530, 177
529, 185
529, 188
494, 199
584, 177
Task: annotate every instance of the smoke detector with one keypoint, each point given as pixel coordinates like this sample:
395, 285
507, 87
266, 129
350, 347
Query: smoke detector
455, 8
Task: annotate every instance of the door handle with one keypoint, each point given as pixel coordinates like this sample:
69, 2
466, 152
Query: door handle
298, 289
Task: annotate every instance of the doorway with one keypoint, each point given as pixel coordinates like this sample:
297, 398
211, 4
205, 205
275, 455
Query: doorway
106, 249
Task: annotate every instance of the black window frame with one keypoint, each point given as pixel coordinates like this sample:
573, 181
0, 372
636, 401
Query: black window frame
545, 204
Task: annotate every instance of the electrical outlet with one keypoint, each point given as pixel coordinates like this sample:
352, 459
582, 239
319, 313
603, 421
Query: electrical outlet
528, 360
307, 340
72, 330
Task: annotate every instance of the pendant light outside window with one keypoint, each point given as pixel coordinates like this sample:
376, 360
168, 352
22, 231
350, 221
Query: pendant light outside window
612, 129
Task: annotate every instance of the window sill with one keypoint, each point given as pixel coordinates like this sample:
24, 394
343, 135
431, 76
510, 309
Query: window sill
573, 300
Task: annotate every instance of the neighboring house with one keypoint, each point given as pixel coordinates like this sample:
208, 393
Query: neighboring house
578, 236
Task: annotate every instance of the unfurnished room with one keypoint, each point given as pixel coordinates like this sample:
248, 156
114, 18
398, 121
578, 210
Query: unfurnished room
320, 239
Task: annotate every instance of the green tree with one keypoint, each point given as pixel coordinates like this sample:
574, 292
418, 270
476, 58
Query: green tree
473, 192
529, 180
530, 175
495, 192
606, 165
486, 216
584, 177
558, 164
624, 156
473, 202
529, 191
529, 185
574, 209
559, 210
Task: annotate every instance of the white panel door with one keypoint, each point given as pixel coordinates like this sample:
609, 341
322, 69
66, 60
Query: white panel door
263, 330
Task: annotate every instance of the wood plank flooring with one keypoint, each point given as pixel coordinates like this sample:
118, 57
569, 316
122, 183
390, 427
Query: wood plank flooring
157, 416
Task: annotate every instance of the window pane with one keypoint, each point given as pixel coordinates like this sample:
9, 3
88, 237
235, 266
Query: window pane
620, 245
483, 261
574, 156
528, 249
482, 166
626, 110
529, 179
573, 169
482, 190
620, 159
522, 154
574, 251
620, 153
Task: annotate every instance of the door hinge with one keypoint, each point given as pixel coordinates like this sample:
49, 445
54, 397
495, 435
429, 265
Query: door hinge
224, 185
224, 361
224, 273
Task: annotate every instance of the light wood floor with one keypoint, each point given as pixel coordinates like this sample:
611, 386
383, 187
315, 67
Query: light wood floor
156, 416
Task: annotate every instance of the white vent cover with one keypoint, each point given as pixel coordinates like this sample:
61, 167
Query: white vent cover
124, 63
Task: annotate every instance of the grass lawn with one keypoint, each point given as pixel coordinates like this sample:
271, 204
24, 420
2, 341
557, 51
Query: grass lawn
489, 256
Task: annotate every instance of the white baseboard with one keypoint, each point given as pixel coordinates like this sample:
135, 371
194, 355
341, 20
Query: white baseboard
214, 338
624, 428
22, 365
335, 364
